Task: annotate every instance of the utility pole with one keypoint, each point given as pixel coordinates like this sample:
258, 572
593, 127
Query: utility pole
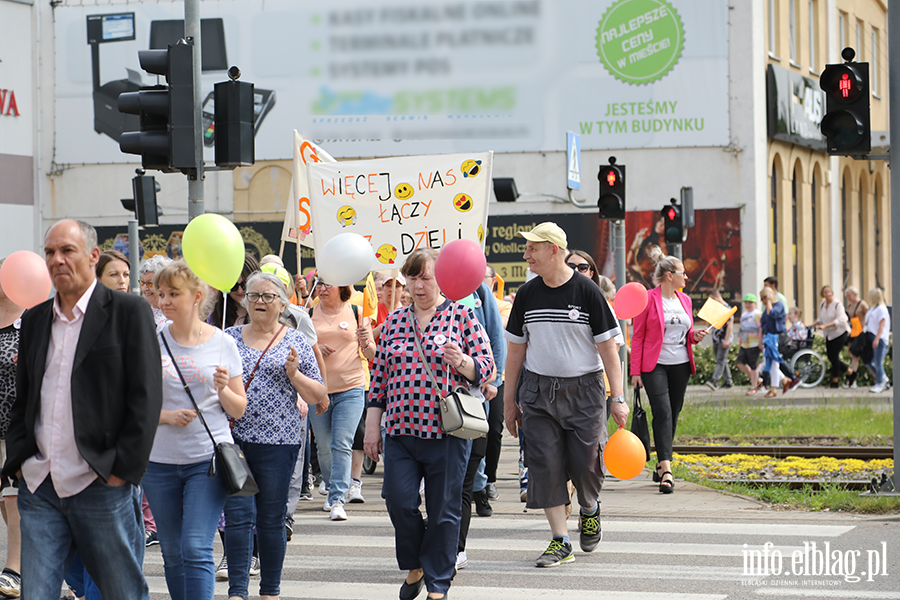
195, 183
619, 233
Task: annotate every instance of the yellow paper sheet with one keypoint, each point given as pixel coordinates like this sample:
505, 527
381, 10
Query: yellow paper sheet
715, 313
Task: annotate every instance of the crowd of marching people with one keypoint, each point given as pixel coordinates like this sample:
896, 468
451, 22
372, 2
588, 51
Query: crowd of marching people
112, 406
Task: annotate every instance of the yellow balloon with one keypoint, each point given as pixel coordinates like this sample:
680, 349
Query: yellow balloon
214, 250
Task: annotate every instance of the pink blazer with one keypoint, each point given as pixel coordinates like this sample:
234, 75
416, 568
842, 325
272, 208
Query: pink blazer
646, 343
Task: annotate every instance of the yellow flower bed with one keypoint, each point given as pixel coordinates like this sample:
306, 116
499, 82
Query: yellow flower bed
753, 466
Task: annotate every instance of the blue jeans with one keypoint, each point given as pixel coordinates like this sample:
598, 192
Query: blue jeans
481, 479
335, 430
272, 467
443, 465
877, 364
79, 580
102, 522
773, 356
186, 503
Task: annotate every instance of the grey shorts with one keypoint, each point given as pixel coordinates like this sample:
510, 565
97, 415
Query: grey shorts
564, 420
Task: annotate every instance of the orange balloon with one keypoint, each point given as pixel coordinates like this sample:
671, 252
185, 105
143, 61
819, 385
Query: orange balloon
624, 454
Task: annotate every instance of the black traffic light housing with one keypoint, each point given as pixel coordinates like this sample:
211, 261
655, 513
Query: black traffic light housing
611, 203
847, 124
674, 223
234, 122
143, 203
166, 139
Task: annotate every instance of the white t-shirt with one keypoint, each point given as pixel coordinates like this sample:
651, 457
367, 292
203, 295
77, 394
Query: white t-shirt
873, 320
175, 445
677, 323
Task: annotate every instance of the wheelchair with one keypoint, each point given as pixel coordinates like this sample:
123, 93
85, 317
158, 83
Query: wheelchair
806, 363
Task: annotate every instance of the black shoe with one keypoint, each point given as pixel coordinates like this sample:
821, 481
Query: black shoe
491, 490
482, 506
667, 486
557, 552
590, 530
289, 528
150, 539
409, 591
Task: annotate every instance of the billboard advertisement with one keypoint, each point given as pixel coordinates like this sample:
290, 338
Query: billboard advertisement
403, 77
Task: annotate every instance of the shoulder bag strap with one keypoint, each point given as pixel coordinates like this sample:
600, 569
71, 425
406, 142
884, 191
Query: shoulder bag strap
253, 372
415, 327
186, 387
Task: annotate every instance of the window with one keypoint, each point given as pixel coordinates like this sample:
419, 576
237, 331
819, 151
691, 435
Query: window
813, 37
842, 31
859, 41
873, 62
793, 24
861, 236
773, 28
773, 218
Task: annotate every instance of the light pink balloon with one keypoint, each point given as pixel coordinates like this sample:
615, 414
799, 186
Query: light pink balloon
25, 278
631, 300
459, 268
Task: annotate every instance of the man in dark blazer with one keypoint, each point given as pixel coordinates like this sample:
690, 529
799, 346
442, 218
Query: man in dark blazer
88, 398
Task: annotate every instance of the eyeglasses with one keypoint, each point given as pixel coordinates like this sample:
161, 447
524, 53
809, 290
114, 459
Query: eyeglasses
325, 286
145, 284
582, 268
239, 285
253, 298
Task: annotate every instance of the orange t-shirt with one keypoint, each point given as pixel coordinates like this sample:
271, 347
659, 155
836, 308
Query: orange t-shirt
343, 367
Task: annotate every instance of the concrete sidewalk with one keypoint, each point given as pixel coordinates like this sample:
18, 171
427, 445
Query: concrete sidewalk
817, 396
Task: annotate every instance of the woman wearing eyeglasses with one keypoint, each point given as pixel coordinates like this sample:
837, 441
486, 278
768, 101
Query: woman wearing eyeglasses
231, 303
343, 334
581, 261
662, 357
278, 363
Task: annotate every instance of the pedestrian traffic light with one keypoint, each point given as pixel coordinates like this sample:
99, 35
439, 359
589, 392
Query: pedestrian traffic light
234, 122
166, 139
143, 203
846, 124
674, 229
612, 190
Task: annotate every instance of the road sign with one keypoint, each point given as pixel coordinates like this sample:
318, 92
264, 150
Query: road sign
573, 160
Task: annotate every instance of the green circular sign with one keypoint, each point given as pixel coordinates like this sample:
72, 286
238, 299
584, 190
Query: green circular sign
639, 41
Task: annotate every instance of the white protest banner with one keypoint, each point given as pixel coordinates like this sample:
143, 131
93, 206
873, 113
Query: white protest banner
297, 222
402, 204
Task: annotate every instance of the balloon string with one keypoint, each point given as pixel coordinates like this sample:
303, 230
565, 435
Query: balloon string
309, 295
224, 315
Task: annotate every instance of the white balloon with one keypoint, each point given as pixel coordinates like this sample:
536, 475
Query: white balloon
344, 259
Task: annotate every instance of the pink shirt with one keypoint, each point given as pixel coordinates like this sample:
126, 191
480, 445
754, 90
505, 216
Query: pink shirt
54, 431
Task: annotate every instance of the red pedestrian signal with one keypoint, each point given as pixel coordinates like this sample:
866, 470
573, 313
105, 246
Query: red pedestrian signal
846, 124
611, 203
611, 178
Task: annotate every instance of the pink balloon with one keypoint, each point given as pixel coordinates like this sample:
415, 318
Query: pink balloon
459, 269
631, 300
25, 279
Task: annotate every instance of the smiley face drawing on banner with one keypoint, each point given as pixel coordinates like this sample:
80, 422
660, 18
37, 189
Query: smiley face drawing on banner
402, 204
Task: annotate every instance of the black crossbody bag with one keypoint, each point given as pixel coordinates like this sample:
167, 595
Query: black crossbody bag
229, 459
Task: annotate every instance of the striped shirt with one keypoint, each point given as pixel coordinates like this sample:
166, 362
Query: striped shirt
562, 326
401, 385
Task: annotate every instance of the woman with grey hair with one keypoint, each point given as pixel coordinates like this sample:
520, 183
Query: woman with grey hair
146, 274
278, 364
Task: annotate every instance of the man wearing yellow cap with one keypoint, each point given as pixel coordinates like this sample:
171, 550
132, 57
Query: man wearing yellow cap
562, 331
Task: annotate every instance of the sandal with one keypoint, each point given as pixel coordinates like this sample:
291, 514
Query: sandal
751, 392
771, 393
656, 476
667, 486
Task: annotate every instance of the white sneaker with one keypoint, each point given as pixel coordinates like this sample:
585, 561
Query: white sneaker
326, 507
853, 385
877, 389
254, 566
354, 494
323, 489
461, 560
338, 513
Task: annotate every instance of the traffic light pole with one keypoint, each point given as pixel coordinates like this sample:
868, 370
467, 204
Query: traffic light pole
619, 232
894, 119
195, 182
134, 256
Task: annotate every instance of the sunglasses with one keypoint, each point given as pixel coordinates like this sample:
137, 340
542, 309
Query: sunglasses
145, 284
253, 298
582, 268
238, 285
